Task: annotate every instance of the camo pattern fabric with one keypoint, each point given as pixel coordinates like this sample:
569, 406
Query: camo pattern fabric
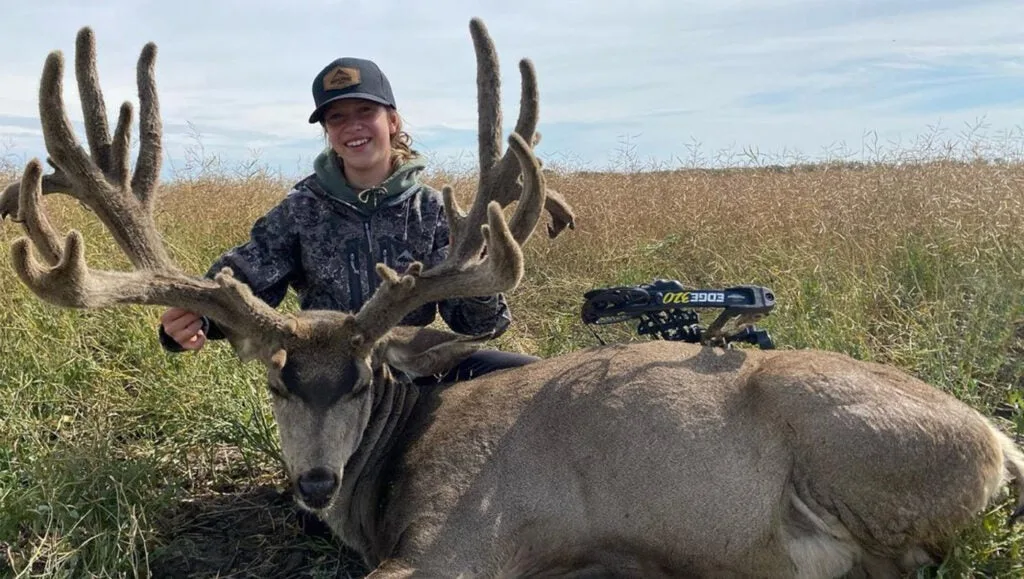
327, 251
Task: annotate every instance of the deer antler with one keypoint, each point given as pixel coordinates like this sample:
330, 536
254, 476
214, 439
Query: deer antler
103, 150
501, 171
124, 204
465, 273
101, 182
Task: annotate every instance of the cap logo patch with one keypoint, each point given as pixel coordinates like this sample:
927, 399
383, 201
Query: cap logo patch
341, 77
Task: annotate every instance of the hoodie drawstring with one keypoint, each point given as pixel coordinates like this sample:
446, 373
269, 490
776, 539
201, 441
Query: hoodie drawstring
375, 192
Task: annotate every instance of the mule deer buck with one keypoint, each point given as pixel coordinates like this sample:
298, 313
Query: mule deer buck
652, 459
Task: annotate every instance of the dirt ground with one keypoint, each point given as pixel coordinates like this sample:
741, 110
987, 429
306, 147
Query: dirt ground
253, 532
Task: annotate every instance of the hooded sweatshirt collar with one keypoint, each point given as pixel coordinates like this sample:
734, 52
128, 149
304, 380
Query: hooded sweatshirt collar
328, 170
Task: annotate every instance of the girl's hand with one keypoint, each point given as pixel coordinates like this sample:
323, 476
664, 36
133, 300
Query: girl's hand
184, 327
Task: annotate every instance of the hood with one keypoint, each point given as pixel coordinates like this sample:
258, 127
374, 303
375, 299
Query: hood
328, 170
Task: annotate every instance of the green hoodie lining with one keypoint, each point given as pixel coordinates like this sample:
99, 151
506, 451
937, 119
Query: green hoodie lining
328, 169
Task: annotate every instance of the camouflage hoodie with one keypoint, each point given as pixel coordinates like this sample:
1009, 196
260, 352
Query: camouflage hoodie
325, 238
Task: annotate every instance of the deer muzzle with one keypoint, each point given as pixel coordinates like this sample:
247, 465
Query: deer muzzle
316, 488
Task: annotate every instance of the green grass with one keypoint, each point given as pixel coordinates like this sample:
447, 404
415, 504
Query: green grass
118, 459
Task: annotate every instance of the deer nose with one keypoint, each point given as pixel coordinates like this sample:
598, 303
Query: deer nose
317, 486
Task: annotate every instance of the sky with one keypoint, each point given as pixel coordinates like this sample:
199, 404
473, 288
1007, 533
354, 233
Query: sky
640, 82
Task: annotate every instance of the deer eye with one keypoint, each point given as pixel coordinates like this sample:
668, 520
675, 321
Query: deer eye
361, 377
358, 387
317, 385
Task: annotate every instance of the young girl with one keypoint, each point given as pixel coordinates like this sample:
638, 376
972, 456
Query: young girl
362, 205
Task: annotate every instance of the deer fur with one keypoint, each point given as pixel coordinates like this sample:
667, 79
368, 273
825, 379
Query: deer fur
656, 459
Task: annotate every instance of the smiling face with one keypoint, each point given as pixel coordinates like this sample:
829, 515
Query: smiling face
360, 133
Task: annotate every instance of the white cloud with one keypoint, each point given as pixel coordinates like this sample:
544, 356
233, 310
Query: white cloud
769, 74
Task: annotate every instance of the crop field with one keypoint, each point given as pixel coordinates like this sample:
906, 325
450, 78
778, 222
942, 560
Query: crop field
119, 459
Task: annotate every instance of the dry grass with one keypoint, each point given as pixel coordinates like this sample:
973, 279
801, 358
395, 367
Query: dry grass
117, 459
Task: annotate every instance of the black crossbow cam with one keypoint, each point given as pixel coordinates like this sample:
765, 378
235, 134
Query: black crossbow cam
669, 311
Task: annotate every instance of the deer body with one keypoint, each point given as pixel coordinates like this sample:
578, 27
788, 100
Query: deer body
666, 458
659, 459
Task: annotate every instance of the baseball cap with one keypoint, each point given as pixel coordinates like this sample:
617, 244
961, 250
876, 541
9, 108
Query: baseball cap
350, 78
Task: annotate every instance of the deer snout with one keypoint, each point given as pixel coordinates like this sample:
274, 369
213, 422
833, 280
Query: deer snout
317, 486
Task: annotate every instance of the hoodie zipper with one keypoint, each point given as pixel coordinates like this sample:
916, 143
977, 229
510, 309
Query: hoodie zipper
355, 286
371, 280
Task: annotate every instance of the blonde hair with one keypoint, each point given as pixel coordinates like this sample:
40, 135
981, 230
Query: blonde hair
401, 145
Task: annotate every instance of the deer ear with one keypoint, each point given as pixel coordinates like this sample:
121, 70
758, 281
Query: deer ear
428, 351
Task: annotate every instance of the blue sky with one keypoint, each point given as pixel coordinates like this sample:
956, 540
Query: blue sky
654, 77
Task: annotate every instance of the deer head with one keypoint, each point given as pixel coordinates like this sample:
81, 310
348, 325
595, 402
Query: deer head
321, 365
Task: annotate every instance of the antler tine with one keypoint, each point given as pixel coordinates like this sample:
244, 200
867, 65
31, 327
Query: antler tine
508, 169
150, 158
120, 147
38, 228
97, 132
524, 220
489, 108
488, 85
58, 134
